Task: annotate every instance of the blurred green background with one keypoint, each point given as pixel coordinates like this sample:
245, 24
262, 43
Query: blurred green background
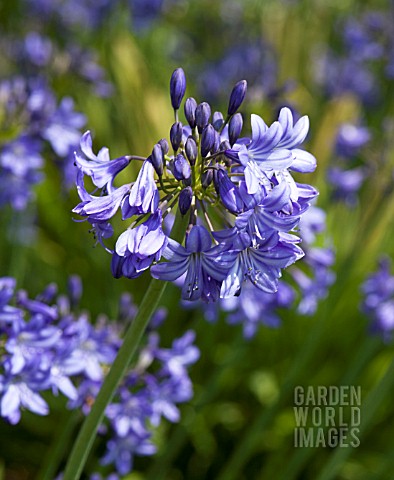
240, 424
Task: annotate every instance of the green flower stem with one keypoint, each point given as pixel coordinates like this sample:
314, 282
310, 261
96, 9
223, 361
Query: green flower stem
87, 434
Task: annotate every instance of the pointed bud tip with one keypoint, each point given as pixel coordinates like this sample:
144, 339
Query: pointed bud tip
177, 87
237, 96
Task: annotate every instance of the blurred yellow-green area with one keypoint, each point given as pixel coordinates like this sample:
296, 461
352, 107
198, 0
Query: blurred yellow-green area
241, 423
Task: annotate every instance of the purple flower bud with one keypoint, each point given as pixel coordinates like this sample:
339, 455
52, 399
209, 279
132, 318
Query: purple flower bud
177, 87
157, 158
190, 111
216, 142
237, 97
176, 135
185, 200
228, 192
207, 140
203, 113
234, 128
116, 265
191, 150
48, 294
207, 178
182, 169
164, 145
217, 120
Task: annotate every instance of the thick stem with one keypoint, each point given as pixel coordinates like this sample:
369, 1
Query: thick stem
87, 434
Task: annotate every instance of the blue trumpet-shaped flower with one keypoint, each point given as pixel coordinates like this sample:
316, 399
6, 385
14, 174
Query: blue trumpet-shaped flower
274, 149
261, 264
138, 247
144, 196
99, 167
205, 266
99, 209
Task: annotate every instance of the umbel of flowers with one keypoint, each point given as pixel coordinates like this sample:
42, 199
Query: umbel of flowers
49, 343
237, 193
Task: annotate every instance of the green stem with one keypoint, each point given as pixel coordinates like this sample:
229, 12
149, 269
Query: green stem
87, 434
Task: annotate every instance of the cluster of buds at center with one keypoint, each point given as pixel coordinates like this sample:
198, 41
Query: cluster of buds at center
198, 169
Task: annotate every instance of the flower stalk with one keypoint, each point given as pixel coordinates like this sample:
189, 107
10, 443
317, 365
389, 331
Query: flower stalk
87, 433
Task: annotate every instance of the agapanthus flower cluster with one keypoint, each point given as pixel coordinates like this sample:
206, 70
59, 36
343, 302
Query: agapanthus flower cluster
366, 56
349, 174
33, 120
238, 195
49, 343
378, 301
46, 343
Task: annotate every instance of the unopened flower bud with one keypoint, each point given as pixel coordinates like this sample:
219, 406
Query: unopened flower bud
228, 191
207, 140
181, 168
206, 178
234, 128
237, 97
177, 87
185, 200
116, 265
216, 143
157, 158
49, 293
190, 111
176, 135
203, 113
164, 145
191, 150
217, 120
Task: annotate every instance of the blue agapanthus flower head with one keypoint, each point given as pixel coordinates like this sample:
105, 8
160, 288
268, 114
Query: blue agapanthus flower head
237, 193
49, 344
